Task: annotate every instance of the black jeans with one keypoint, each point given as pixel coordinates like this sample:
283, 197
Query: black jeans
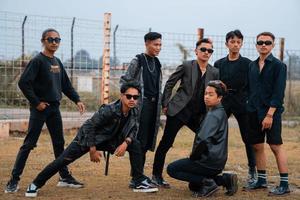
147, 126
75, 151
173, 124
51, 115
244, 126
190, 171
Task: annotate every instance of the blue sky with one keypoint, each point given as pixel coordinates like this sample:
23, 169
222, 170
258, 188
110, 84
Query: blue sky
180, 16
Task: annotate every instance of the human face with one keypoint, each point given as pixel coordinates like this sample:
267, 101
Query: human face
131, 102
234, 44
264, 49
51, 46
203, 56
211, 98
153, 47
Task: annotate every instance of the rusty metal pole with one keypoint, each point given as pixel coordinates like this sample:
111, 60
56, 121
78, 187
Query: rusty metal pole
281, 51
200, 33
106, 59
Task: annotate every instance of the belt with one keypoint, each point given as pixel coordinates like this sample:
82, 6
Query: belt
152, 99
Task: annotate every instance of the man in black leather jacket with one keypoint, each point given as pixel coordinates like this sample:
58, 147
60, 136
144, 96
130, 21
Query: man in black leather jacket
210, 149
112, 128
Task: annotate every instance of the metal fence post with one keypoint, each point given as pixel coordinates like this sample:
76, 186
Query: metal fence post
114, 46
72, 50
106, 59
23, 42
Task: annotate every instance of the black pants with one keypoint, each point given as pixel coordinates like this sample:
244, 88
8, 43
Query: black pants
190, 171
75, 151
51, 115
244, 126
147, 126
173, 124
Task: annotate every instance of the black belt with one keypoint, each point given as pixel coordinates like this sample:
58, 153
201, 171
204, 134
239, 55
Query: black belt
152, 99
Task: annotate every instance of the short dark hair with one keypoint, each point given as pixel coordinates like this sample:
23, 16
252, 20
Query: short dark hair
220, 87
266, 33
236, 33
130, 84
47, 31
204, 40
152, 36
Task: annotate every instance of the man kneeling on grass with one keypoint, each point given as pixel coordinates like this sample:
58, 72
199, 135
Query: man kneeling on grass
209, 154
112, 128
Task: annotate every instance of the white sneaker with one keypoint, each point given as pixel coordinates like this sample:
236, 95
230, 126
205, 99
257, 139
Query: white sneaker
31, 191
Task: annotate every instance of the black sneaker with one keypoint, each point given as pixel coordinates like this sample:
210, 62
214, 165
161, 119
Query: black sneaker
145, 186
279, 191
69, 182
230, 183
208, 188
255, 186
160, 182
32, 191
11, 186
131, 184
252, 177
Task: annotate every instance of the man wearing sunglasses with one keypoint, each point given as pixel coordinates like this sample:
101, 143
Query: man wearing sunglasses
112, 128
42, 83
267, 81
146, 69
187, 106
234, 73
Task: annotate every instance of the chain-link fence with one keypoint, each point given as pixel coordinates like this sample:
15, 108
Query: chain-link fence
81, 52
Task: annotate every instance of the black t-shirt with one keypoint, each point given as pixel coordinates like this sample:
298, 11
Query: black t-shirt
151, 73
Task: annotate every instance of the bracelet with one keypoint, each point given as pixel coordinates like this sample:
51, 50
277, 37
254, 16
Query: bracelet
269, 115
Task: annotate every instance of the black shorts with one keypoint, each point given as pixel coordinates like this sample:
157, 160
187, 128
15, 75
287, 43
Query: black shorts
257, 136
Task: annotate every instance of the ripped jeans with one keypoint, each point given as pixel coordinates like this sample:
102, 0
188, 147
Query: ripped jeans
75, 151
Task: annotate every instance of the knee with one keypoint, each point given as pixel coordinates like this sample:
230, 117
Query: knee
275, 148
171, 170
258, 147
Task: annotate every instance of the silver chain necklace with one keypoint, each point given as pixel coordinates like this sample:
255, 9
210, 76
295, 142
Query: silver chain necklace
151, 70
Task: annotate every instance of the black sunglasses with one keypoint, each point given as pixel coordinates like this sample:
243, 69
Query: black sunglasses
203, 49
51, 40
129, 96
267, 42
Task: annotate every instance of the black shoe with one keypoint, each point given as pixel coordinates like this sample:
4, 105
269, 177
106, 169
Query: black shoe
160, 182
255, 186
11, 186
131, 184
32, 191
209, 188
279, 191
194, 187
230, 183
145, 186
252, 177
70, 181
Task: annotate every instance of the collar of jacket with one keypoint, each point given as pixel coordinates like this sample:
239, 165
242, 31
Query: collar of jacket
217, 106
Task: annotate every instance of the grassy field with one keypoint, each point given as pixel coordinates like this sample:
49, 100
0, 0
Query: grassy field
115, 186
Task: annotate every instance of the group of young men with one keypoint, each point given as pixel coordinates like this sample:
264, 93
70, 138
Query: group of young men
255, 92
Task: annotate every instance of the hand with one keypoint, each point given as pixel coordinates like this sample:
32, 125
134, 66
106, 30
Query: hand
42, 106
95, 155
120, 151
165, 110
81, 107
267, 123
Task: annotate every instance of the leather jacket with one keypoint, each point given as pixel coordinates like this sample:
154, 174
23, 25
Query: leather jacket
210, 149
103, 126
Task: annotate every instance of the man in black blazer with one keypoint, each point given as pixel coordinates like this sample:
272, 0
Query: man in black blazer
187, 106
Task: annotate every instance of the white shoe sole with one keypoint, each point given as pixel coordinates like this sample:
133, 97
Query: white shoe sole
6, 191
31, 195
63, 184
146, 190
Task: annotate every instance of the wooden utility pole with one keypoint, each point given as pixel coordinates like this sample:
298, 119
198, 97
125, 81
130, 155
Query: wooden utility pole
106, 59
281, 51
200, 33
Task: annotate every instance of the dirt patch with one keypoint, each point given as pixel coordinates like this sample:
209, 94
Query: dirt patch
115, 186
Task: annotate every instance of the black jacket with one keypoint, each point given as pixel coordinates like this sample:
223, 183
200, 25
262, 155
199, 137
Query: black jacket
210, 147
103, 127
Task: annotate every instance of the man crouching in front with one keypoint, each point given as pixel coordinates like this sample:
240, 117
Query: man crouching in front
112, 128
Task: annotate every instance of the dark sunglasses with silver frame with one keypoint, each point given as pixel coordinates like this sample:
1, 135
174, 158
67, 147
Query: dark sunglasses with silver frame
129, 96
261, 42
204, 49
51, 40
